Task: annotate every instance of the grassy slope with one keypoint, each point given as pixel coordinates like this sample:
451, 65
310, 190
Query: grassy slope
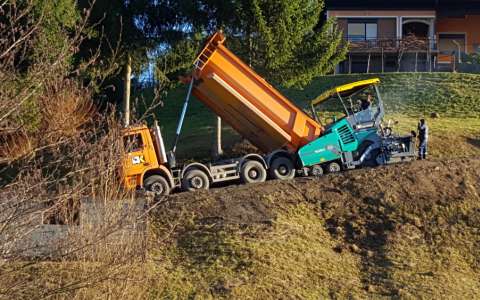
364, 234
376, 238
408, 96
408, 231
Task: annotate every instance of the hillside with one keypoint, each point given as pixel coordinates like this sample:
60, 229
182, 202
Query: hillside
404, 231
407, 97
410, 230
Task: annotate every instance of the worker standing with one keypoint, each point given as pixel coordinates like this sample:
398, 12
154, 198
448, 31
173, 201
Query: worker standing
423, 139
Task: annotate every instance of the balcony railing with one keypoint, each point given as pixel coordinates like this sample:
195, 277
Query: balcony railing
393, 44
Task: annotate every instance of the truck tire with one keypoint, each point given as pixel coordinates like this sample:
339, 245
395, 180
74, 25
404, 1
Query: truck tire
253, 171
195, 179
282, 168
157, 184
334, 167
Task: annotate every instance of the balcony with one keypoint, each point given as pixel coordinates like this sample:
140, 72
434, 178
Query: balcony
408, 44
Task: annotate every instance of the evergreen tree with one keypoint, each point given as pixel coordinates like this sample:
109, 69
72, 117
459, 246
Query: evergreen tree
113, 36
284, 40
287, 41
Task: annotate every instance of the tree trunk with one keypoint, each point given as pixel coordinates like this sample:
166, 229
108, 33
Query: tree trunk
217, 150
126, 91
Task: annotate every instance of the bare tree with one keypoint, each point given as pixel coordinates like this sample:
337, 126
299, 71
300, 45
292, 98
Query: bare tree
56, 151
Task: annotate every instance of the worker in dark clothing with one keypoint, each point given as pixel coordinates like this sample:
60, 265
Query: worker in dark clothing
423, 139
366, 103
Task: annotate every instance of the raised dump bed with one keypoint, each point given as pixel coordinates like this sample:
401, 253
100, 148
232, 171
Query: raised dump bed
248, 103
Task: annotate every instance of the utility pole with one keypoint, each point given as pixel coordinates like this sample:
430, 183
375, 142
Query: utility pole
126, 91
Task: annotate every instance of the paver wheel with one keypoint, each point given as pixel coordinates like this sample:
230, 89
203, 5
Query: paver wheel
282, 168
371, 159
334, 167
253, 171
195, 179
317, 170
157, 184
381, 159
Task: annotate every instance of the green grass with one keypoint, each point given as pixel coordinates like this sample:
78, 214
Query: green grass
407, 96
237, 263
414, 94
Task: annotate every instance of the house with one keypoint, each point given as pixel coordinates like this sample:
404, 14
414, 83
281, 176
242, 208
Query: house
406, 35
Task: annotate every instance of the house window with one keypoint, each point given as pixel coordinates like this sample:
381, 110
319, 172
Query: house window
361, 30
450, 43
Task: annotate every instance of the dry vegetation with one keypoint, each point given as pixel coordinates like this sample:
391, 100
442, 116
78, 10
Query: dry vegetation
57, 151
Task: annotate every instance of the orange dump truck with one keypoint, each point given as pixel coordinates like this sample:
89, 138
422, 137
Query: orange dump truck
243, 99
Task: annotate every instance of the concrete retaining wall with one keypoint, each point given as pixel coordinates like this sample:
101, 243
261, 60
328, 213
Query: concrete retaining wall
120, 226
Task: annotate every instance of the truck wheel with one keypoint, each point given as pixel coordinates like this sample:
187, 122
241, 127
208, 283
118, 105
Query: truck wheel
317, 171
334, 167
195, 180
253, 171
158, 185
282, 168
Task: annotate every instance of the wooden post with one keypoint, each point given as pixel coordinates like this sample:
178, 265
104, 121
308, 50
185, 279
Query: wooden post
368, 62
454, 66
126, 91
429, 58
416, 62
383, 62
349, 63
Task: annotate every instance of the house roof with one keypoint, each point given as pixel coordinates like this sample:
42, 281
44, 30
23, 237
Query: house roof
345, 90
379, 4
443, 6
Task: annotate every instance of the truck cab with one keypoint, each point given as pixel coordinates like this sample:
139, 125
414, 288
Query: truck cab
145, 161
147, 165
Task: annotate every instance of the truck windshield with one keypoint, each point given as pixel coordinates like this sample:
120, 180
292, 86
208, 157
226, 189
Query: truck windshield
133, 143
345, 104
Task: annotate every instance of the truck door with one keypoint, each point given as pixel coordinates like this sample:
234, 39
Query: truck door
137, 156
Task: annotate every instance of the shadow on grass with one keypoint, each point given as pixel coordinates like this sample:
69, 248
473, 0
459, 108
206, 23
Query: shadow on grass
368, 229
212, 249
473, 142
